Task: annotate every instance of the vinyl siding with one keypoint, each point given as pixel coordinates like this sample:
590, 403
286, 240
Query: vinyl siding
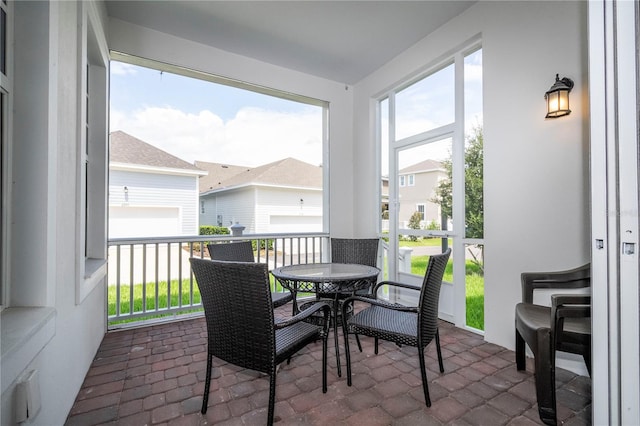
266, 210
157, 190
280, 210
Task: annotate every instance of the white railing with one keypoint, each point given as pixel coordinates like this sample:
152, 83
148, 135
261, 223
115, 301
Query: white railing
151, 278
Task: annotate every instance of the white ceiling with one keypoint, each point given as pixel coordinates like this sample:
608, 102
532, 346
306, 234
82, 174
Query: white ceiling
339, 40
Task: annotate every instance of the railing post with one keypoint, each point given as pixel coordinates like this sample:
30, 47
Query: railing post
405, 259
236, 229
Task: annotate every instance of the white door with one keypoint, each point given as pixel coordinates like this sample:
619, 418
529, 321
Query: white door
614, 95
423, 125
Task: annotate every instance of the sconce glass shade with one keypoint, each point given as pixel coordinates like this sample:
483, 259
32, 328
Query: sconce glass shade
557, 98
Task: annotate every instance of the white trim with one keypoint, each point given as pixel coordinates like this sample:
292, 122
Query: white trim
155, 169
91, 238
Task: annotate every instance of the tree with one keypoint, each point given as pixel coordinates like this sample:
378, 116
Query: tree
473, 187
414, 223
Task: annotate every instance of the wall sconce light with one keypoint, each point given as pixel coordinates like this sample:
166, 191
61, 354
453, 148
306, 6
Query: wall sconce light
557, 98
126, 190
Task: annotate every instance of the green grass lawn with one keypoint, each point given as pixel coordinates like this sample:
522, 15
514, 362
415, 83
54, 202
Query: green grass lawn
474, 291
474, 282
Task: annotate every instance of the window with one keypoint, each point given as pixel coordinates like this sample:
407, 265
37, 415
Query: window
201, 207
410, 180
92, 151
420, 209
402, 180
227, 123
4, 147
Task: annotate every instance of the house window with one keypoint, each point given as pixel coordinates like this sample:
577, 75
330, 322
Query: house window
4, 148
420, 209
219, 220
410, 180
92, 161
403, 180
201, 207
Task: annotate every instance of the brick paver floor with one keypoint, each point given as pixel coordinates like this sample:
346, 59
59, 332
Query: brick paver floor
155, 376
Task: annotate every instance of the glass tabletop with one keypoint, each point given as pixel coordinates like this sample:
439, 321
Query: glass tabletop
323, 272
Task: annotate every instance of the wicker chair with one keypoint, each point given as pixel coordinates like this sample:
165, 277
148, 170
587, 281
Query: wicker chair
412, 326
242, 251
565, 326
363, 251
240, 326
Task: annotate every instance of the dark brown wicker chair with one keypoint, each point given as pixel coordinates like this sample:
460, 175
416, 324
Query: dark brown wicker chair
363, 251
565, 326
242, 251
240, 326
412, 326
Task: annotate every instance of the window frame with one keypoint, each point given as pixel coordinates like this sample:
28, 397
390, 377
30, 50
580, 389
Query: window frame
6, 51
92, 167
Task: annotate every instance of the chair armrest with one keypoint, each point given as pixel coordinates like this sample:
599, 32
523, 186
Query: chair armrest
376, 302
567, 306
570, 306
393, 284
572, 278
306, 314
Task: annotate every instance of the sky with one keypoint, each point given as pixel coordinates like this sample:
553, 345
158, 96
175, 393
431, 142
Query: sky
204, 121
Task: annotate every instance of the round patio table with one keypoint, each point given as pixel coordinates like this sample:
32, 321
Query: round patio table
326, 279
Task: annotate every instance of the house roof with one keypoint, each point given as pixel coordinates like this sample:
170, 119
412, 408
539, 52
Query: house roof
218, 173
422, 167
285, 172
126, 149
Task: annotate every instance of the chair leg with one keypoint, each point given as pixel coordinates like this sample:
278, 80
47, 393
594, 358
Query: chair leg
272, 396
521, 362
587, 359
376, 345
423, 373
347, 352
440, 363
335, 333
324, 363
545, 377
359, 345
207, 384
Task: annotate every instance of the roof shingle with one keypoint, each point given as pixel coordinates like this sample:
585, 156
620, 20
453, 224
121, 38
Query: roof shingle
127, 149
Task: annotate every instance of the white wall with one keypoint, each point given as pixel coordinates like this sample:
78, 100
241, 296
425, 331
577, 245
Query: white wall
150, 44
43, 249
157, 190
280, 210
535, 170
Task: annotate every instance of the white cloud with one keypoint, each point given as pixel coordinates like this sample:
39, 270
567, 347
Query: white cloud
252, 138
120, 68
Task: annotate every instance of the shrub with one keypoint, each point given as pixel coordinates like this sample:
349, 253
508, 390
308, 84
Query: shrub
210, 230
214, 230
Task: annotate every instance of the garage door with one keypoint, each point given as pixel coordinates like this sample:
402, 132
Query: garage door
127, 222
286, 224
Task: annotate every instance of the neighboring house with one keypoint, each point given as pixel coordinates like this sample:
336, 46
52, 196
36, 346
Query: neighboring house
283, 196
417, 185
151, 192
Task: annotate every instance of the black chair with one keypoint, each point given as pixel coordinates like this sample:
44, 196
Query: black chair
565, 326
242, 251
240, 326
363, 251
412, 326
